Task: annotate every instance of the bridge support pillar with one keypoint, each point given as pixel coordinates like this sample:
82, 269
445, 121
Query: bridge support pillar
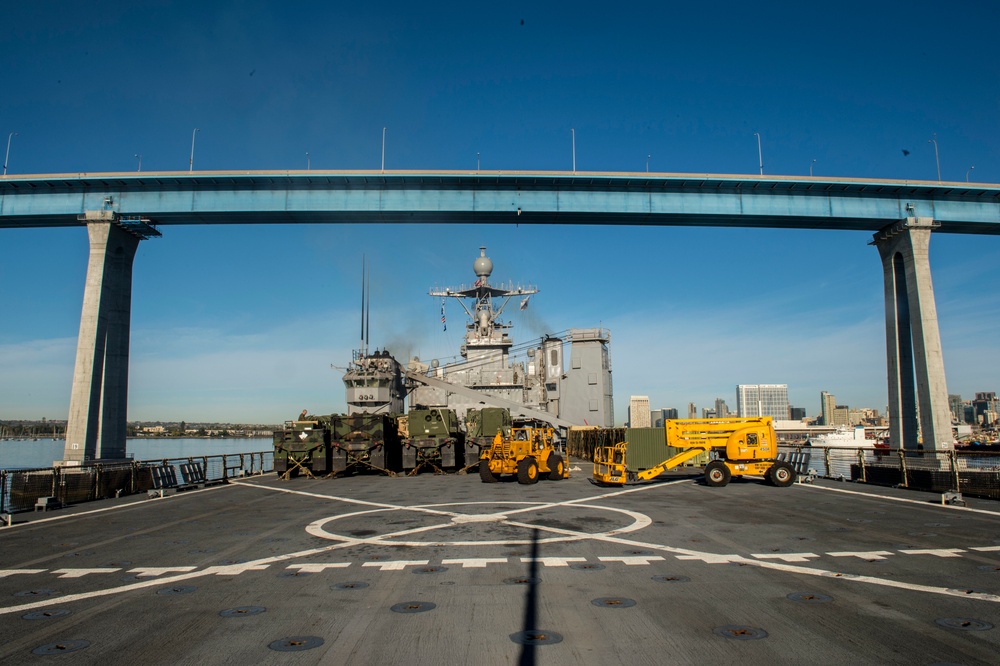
917, 387
96, 427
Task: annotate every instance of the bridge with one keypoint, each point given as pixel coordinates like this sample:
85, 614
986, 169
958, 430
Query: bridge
121, 209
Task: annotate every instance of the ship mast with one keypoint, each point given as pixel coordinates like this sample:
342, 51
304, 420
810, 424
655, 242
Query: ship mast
485, 328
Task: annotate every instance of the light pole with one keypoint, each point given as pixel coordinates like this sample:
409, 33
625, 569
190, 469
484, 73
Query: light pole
936, 159
647, 163
138, 157
7, 154
573, 135
811, 168
760, 155
967, 173
308, 165
191, 162
383, 149
477, 162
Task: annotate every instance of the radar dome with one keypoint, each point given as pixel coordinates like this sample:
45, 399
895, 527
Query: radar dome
482, 266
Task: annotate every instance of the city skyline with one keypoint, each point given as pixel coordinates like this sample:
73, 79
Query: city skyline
243, 323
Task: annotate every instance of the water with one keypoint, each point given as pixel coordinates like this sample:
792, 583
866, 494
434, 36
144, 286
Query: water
27, 454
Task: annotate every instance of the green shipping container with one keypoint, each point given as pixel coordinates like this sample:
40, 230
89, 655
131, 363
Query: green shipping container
647, 448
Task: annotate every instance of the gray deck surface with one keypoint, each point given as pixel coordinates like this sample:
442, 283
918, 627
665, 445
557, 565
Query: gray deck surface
834, 573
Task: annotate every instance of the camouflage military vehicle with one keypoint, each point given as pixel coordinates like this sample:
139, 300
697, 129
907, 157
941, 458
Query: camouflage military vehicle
365, 442
481, 426
434, 439
303, 446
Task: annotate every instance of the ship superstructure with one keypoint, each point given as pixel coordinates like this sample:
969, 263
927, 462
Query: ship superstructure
493, 367
374, 384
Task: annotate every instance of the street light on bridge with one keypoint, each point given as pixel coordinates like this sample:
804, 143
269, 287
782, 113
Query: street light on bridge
7, 154
572, 133
383, 149
760, 155
191, 163
811, 168
967, 173
936, 159
138, 157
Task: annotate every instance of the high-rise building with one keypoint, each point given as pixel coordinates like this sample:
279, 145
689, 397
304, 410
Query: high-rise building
797, 413
957, 408
827, 403
721, 409
985, 408
692, 411
638, 411
762, 400
841, 416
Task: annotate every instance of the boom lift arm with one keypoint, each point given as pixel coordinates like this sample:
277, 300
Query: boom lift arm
744, 446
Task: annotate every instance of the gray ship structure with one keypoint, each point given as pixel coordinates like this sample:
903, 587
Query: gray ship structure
532, 380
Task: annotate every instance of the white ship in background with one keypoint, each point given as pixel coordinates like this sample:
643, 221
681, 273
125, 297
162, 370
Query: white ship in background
843, 438
493, 372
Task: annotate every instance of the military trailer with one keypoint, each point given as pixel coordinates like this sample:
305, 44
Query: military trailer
481, 426
365, 442
303, 446
434, 439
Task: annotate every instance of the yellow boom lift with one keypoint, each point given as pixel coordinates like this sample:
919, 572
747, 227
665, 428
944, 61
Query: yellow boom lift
742, 446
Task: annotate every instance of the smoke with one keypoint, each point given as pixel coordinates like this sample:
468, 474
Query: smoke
533, 325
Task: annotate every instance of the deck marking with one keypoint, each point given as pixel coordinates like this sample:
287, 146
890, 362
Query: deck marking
713, 558
318, 567
786, 557
632, 560
864, 555
475, 562
552, 561
986, 549
158, 571
14, 572
396, 565
936, 552
80, 573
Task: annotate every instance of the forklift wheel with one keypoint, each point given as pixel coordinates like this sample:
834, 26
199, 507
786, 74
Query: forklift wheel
486, 475
527, 470
781, 474
557, 468
717, 474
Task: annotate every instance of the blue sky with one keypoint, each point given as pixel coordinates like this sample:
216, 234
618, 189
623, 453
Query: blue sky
242, 324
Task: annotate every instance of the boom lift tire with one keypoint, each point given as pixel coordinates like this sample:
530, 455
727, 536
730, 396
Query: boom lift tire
527, 471
557, 467
485, 474
717, 474
781, 474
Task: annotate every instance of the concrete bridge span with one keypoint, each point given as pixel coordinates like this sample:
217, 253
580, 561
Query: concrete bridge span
120, 209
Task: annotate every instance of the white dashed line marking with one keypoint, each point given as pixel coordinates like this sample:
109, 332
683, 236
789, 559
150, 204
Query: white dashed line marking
395, 565
633, 560
864, 555
786, 557
80, 573
317, 567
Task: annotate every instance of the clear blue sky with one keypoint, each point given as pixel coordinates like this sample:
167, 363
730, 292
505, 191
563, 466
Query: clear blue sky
242, 324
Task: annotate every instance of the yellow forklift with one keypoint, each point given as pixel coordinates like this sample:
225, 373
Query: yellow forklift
525, 451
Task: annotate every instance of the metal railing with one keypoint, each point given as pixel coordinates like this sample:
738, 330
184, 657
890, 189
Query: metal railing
974, 473
21, 489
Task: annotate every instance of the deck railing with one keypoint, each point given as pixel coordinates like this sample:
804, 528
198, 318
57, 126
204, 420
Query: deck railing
974, 473
20, 490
